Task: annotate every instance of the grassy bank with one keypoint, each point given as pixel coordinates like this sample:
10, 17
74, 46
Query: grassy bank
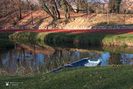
91, 39
29, 38
75, 39
112, 77
4, 40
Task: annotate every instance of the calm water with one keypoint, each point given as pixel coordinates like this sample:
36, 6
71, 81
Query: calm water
25, 59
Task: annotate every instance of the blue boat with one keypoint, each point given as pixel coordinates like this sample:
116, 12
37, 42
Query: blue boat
86, 62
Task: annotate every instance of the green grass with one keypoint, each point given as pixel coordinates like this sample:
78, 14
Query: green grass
91, 39
119, 40
111, 77
61, 39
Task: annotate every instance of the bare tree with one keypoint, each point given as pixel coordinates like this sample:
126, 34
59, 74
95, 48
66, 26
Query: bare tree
20, 9
114, 6
50, 7
126, 6
65, 7
30, 8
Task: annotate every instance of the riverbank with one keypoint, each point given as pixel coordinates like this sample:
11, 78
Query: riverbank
111, 77
4, 40
75, 38
42, 20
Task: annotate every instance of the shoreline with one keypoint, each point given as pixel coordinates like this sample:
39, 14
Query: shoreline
76, 38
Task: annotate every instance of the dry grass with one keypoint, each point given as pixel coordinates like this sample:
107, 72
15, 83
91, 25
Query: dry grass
41, 20
99, 19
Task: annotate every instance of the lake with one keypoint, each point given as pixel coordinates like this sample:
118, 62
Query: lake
33, 59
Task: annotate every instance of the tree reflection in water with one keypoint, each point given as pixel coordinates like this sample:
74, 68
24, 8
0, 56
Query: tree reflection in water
32, 60
115, 58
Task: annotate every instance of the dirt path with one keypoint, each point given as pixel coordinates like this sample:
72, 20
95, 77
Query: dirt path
117, 31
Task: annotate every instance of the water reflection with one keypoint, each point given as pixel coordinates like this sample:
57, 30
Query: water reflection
115, 58
24, 60
105, 58
127, 58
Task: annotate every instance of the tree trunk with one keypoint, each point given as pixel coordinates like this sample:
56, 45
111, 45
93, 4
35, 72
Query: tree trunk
57, 11
46, 9
30, 12
20, 10
50, 7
